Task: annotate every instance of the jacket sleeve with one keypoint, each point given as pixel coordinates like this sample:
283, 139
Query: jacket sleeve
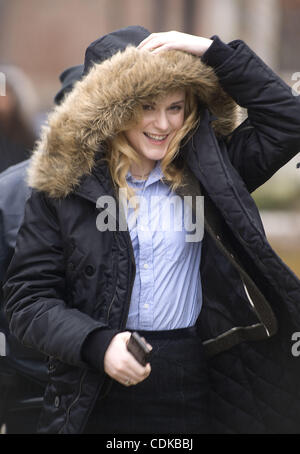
13, 195
270, 136
34, 291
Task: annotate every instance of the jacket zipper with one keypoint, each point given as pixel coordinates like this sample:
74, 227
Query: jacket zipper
125, 316
110, 305
74, 401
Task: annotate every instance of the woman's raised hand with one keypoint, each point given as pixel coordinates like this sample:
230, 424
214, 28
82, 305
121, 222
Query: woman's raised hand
120, 364
157, 42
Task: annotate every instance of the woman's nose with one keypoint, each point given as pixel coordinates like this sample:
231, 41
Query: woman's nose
161, 121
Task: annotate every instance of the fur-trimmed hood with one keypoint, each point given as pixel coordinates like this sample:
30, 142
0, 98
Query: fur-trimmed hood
104, 103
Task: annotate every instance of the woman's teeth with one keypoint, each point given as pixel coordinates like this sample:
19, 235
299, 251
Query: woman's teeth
155, 137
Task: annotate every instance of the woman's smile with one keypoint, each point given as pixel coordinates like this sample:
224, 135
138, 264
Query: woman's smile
156, 138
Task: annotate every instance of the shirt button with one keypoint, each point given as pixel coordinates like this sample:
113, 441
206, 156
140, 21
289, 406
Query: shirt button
146, 306
146, 266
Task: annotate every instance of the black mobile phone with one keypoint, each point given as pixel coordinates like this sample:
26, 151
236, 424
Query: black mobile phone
138, 348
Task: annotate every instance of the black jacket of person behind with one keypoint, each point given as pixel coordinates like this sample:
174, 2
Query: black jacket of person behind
23, 371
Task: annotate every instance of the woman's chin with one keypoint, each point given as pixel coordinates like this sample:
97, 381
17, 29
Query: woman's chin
156, 155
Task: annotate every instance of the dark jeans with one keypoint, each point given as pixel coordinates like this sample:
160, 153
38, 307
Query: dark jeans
173, 399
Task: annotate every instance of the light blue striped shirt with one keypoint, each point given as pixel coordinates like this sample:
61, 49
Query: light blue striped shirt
167, 291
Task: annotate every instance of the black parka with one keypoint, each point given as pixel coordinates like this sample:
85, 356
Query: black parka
67, 280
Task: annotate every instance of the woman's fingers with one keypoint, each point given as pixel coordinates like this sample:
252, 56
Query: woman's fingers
158, 42
128, 375
146, 40
154, 41
121, 365
131, 379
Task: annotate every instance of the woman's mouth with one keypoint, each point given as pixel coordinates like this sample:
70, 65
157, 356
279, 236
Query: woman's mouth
156, 138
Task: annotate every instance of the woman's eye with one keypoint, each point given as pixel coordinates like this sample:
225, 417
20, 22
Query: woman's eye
175, 108
147, 107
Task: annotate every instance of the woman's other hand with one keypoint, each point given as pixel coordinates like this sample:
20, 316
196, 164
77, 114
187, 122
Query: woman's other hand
157, 42
120, 364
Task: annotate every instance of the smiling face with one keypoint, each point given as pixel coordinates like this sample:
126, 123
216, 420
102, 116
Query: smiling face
160, 121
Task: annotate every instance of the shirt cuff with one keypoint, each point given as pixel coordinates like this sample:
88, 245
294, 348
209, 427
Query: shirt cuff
217, 52
95, 346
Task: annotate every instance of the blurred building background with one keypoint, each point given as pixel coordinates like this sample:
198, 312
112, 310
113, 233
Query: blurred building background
43, 37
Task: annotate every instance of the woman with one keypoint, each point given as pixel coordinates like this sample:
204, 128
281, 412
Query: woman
218, 311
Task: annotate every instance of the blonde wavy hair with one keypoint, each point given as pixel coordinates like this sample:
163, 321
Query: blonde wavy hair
119, 153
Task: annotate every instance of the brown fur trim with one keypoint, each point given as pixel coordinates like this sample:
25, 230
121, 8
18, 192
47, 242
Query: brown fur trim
105, 102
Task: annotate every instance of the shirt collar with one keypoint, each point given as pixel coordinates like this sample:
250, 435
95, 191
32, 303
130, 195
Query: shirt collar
155, 175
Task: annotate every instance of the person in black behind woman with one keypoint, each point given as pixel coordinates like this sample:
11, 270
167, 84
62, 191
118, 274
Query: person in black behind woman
155, 115
23, 372
17, 109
